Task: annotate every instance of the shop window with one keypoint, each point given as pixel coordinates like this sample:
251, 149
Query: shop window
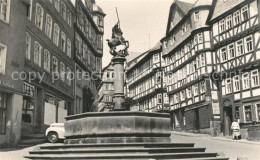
3, 105
255, 78
28, 103
248, 113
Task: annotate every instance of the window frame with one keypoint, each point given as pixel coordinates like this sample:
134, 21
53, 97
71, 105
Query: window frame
3, 58
257, 77
240, 46
47, 64
248, 111
236, 17
56, 34
48, 26
248, 80
39, 23
229, 22
196, 16
3, 109
236, 83
228, 86
246, 46
224, 54
242, 13
28, 41
7, 14
37, 56
222, 27
229, 51
63, 42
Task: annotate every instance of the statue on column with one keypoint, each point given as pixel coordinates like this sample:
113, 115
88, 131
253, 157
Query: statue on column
117, 44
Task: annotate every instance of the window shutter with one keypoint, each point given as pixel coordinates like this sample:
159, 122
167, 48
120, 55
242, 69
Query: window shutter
253, 113
241, 114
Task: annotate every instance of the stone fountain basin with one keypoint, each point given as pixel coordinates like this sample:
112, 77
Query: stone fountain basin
117, 127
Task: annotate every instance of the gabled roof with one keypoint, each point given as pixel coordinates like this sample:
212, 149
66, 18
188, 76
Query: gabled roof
223, 6
184, 7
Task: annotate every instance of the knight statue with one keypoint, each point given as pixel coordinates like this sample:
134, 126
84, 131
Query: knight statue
117, 44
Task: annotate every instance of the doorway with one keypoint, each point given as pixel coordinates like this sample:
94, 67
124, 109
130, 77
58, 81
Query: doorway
227, 120
196, 121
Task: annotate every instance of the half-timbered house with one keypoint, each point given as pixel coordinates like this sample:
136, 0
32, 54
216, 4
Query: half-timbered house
236, 54
188, 64
146, 83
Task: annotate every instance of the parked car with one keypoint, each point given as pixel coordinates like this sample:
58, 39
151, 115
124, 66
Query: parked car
55, 132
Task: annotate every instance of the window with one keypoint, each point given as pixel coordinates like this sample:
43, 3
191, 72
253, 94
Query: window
5, 10
189, 95
165, 44
63, 10
246, 84
183, 95
69, 48
202, 87
62, 71
236, 83
222, 25
39, 16
63, 41
159, 98
177, 99
156, 58
248, 44
55, 65
56, 34
100, 20
29, 11
184, 29
165, 98
240, 48
236, 17
2, 58
228, 86
48, 26
196, 16
229, 22
231, 51
68, 76
37, 53
200, 39
69, 18
244, 12
255, 78
57, 5
195, 89
258, 111
158, 77
47, 60
248, 113
3, 105
28, 46
237, 113
223, 53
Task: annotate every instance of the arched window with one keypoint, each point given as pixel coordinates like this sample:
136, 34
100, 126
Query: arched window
48, 26
63, 10
56, 34
39, 16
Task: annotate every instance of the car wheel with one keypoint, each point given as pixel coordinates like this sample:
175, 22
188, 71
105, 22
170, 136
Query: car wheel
53, 137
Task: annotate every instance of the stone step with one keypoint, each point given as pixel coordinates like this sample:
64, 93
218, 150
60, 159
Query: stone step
124, 156
145, 145
121, 150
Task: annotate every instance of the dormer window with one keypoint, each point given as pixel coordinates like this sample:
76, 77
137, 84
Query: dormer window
196, 16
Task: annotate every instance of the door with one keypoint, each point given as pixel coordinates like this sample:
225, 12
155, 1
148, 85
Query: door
227, 121
196, 121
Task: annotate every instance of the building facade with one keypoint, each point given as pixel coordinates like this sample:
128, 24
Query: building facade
39, 56
235, 42
145, 80
89, 30
11, 90
49, 97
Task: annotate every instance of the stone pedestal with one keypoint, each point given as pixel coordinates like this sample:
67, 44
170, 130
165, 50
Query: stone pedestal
117, 127
119, 98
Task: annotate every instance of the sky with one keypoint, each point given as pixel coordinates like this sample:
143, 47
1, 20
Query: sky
143, 22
